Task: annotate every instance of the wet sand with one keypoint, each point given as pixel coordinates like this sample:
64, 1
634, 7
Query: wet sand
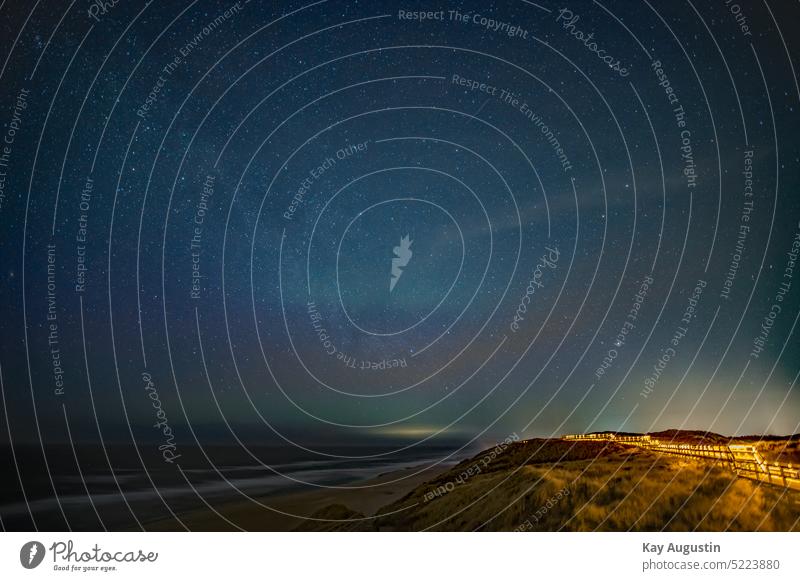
287, 511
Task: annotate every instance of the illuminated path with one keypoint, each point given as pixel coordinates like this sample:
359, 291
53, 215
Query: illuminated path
743, 459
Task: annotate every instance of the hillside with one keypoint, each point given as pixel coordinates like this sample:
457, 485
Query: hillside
551, 485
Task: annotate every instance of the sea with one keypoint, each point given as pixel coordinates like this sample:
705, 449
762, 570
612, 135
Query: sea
86, 487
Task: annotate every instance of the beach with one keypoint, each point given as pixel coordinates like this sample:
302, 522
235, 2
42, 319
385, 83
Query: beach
282, 512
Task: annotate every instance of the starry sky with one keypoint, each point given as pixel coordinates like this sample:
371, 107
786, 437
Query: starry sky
203, 206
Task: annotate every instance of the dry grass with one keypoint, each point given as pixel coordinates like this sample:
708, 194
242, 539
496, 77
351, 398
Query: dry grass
608, 488
783, 451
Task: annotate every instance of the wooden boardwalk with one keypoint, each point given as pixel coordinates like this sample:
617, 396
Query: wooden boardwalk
744, 459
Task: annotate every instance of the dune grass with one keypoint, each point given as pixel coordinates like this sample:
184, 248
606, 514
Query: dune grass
553, 485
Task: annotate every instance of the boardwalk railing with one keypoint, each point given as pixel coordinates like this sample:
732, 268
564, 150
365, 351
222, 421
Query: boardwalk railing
744, 459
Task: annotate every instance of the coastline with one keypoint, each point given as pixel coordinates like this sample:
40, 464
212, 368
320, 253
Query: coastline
286, 511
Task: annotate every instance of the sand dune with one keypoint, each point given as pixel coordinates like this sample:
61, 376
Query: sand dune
534, 485
550, 485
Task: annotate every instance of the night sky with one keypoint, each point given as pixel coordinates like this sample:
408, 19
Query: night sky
339, 222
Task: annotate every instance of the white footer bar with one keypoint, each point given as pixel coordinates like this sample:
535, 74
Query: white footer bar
401, 556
